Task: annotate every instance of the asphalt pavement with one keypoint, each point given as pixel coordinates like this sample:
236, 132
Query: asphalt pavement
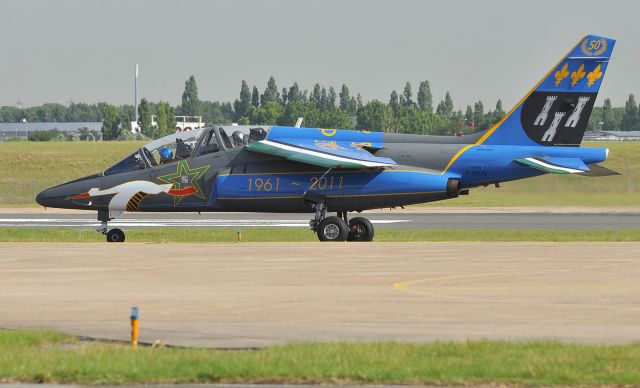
457, 220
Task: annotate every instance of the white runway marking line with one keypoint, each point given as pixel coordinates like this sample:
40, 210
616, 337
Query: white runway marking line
152, 223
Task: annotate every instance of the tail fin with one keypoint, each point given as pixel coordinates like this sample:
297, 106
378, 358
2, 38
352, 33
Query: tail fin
556, 111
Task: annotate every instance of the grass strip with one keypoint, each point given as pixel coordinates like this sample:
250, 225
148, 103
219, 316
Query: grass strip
274, 234
52, 357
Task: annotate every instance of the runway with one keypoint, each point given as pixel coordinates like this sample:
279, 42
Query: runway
253, 295
401, 219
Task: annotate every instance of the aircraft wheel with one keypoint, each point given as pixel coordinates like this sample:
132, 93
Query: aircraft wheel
333, 229
360, 229
115, 235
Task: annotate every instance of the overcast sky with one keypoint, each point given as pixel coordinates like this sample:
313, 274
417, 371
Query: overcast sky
85, 50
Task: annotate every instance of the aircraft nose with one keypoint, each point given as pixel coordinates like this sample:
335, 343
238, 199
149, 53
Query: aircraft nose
47, 198
57, 196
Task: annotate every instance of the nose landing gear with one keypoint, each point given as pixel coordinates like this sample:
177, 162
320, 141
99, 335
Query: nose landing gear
113, 235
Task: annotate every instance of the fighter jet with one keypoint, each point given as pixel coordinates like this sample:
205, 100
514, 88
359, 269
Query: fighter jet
321, 171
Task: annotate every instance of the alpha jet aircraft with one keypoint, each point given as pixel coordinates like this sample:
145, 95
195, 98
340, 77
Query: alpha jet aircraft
290, 169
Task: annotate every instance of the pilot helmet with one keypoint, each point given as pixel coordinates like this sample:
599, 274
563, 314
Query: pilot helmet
165, 153
238, 138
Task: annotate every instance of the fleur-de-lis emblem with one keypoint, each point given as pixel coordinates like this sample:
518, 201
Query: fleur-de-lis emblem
577, 75
596, 74
562, 73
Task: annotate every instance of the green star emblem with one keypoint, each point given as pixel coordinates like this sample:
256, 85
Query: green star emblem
185, 177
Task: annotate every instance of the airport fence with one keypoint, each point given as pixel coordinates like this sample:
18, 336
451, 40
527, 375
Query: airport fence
22, 192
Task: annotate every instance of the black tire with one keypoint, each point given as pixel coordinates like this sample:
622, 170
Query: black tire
333, 229
360, 229
115, 235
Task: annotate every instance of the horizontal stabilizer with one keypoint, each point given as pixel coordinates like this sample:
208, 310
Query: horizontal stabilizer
330, 154
556, 165
597, 170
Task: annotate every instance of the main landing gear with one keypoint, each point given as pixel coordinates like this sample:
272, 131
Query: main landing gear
340, 228
113, 235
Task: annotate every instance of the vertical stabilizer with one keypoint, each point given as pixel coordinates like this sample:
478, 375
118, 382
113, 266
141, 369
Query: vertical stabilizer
556, 111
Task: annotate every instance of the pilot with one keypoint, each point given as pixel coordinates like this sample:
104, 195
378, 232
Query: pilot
165, 154
238, 138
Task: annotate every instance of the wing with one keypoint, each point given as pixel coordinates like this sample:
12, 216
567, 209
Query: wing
325, 153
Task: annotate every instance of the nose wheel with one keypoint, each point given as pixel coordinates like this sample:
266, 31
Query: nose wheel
113, 235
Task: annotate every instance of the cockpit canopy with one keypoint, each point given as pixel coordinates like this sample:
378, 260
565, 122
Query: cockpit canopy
178, 146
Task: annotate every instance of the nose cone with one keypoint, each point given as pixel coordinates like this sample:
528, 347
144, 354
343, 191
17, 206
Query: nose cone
53, 197
41, 198
60, 196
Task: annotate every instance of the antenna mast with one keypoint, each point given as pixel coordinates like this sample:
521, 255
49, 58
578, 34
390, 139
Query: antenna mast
136, 94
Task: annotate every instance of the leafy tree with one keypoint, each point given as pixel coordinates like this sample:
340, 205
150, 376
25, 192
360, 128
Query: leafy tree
296, 109
271, 93
408, 95
227, 111
345, 99
294, 94
478, 115
353, 106
125, 121
448, 105
255, 97
468, 116
166, 119
144, 119
110, 123
316, 95
284, 96
241, 106
499, 113
376, 116
441, 109
630, 118
215, 113
48, 135
359, 104
425, 100
324, 101
607, 116
393, 101
332, 98
268, 114
190, 101
335, 118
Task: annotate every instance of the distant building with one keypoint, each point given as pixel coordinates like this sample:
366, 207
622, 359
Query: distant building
612, 136
22, 130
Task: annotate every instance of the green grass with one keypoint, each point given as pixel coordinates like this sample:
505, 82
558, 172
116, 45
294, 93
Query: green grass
273, 234
51, 357
29, 167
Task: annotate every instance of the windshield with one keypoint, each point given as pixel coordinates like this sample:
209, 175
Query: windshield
172, 148
160, 151
132, 162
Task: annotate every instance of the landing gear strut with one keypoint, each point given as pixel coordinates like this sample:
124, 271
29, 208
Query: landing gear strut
113, 235
339, 227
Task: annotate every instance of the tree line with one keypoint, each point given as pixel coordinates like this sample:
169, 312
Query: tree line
321, 107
